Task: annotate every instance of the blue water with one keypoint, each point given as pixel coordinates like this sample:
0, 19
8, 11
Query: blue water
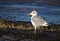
18, 12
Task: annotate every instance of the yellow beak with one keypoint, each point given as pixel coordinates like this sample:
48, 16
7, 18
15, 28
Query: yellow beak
29, 15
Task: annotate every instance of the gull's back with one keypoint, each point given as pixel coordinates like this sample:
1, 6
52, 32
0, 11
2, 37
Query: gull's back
38, 21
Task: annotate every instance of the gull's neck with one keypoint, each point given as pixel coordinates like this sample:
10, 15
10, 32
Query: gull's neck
33, 16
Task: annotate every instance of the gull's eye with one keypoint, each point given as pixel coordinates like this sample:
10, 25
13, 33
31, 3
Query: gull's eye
33, 12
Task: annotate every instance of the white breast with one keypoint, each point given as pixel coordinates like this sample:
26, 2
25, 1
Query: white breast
33, 23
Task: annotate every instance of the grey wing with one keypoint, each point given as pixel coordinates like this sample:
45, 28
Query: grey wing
38, 20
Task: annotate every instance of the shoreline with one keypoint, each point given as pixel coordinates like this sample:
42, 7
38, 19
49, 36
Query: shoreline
24, 31
4, 24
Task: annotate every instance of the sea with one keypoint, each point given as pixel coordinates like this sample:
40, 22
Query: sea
19, 12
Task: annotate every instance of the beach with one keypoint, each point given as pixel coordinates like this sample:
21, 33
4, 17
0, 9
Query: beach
15, 24
24, 31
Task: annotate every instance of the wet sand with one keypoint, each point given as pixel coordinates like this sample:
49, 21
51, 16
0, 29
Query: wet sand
24, 31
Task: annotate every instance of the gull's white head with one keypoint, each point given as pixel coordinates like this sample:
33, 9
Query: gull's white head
33, 13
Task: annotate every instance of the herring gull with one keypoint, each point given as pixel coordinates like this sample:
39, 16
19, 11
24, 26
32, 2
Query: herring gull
37, 21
